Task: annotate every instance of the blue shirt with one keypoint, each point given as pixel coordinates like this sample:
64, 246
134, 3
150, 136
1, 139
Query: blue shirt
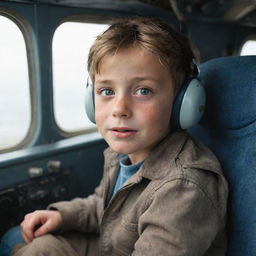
126, 171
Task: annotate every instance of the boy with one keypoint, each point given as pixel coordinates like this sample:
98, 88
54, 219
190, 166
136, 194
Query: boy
162, 193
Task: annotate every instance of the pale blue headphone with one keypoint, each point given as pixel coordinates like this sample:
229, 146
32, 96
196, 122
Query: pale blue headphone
188, 106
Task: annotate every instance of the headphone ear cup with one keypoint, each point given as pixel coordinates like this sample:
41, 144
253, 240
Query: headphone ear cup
89, 101
189, 105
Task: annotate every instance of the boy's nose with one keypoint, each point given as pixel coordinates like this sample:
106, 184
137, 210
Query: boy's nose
122, 107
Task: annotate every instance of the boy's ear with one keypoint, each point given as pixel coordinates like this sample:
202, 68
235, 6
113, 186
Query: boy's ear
89, 101
189, 104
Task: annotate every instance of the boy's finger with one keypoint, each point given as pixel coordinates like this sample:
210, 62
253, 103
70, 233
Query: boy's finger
25, 238
27, 227
45, 228
28, 236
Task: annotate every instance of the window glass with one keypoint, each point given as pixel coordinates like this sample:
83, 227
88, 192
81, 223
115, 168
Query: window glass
71, 43
249, 48
15, 107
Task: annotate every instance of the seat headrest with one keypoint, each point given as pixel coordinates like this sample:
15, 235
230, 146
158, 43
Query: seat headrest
231, 83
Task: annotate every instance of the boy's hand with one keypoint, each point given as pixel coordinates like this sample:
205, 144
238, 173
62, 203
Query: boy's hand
39, 223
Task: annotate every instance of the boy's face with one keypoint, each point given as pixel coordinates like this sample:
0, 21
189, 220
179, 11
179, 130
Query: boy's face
133, 101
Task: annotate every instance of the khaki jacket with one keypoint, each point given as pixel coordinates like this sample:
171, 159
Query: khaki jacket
174, 205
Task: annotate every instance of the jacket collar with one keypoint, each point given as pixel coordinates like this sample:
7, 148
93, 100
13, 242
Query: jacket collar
163, 154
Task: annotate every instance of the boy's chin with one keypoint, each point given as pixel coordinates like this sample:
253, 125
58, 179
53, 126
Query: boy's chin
121, 149
135, 154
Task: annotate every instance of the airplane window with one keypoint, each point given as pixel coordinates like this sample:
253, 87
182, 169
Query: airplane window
249, 48
71, 43
15, 106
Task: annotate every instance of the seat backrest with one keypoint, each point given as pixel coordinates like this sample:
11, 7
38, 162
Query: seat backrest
228, 127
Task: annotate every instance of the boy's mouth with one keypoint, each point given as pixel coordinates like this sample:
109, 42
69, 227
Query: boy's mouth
122, 129
122, 132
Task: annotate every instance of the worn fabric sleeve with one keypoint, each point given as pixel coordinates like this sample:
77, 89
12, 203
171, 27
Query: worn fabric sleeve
181, 220
81, 214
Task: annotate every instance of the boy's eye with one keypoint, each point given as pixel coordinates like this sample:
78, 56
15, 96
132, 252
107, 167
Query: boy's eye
107, 92
143, 91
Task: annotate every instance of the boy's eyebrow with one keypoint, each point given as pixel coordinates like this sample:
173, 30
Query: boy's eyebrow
143, 78
103, 81
134, 79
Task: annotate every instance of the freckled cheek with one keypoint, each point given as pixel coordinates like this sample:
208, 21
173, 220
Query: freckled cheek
155, 115
101, 113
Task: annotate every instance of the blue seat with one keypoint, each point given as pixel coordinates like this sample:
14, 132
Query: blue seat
228, 127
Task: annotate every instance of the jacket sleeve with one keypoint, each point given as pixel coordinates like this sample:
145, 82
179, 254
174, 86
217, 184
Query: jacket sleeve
81, 214
181, 220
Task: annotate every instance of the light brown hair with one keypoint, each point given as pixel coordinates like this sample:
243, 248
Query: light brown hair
171, 47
